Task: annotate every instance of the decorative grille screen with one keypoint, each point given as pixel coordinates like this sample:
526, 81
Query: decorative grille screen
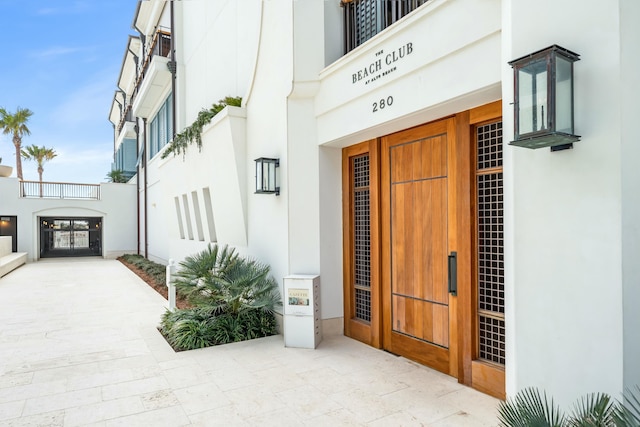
363, 305
362, 237
490, 220
490, 146
492, 339
490, 243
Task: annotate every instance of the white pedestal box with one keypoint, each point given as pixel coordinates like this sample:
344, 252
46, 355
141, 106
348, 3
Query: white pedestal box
302, 326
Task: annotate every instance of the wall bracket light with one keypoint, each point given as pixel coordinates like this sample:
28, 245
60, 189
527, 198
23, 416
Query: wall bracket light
543, 88
266, 177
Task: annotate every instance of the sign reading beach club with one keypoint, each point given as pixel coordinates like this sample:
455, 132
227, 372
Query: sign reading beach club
383, 64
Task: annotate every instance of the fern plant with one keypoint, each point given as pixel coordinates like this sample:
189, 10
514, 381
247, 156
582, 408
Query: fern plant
193, 133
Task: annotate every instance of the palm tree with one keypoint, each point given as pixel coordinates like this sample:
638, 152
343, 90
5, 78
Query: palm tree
116, 175
40, 155
16, 125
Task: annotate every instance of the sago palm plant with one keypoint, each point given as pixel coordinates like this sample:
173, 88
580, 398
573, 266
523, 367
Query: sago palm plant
234, 300
628, 412
223, 281
197, 271
530, 408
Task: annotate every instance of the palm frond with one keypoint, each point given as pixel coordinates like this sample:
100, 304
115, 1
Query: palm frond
593, 410
627, 412
195, 280
530, 409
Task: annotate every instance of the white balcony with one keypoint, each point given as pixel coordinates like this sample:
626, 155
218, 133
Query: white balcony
154, 84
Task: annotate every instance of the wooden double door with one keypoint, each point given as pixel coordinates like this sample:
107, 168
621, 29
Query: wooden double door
409, 286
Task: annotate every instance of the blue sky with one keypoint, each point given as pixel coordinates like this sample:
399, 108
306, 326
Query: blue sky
61, 59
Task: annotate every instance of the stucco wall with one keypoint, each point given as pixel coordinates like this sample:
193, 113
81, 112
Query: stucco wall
563, 213
116, 207
630, 153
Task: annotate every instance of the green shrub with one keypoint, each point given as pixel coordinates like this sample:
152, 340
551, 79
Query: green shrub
234, 299
193, 133
201, 327
153, 269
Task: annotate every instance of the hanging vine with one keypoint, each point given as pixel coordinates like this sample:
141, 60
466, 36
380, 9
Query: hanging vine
193, 133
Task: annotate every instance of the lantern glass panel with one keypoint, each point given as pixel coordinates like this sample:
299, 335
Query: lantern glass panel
533, 106
269, 183
564, 95
259, 184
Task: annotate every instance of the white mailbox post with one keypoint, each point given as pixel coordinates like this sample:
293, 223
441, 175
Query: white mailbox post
170, 272
302, 327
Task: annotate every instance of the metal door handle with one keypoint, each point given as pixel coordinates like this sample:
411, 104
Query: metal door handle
453, 273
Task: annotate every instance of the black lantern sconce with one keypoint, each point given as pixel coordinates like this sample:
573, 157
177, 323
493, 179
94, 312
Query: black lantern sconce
543, 83
266, 178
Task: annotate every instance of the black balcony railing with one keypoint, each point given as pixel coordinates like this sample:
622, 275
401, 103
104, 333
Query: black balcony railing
160, 46
364, 19
126, 116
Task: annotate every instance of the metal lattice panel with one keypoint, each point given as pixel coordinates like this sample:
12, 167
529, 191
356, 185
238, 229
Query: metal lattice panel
492, 339
363, 304
361, 171
362, 237
489, 139
490, 209
491, 243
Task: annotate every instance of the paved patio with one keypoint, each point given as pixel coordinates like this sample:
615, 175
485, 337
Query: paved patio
79, 346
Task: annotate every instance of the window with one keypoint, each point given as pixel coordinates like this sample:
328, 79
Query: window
364, 19
125, 158
161, 127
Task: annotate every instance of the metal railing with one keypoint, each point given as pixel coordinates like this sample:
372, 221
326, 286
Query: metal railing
59, 190
125, 117
364, 19
161, 46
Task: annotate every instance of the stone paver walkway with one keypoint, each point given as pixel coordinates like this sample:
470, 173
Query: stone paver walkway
79, 347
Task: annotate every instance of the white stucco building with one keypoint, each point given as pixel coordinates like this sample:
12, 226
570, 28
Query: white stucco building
392, 135
53, 219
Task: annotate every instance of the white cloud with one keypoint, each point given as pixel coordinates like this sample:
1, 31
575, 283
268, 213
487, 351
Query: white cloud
56, 52
66, 8
87, 104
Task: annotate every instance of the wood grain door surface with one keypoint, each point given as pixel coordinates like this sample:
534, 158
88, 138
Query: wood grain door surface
416, 194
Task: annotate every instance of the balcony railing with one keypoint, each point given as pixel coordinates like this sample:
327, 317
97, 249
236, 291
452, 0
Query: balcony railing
59, 190
125, 117
161, 46
364, 19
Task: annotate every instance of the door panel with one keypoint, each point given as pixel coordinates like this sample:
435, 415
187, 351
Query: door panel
361, 231
416, 222
419, 241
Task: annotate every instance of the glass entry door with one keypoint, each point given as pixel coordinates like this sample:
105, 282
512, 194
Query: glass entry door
60, 237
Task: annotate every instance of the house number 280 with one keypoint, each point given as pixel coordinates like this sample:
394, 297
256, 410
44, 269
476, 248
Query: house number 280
380, 105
